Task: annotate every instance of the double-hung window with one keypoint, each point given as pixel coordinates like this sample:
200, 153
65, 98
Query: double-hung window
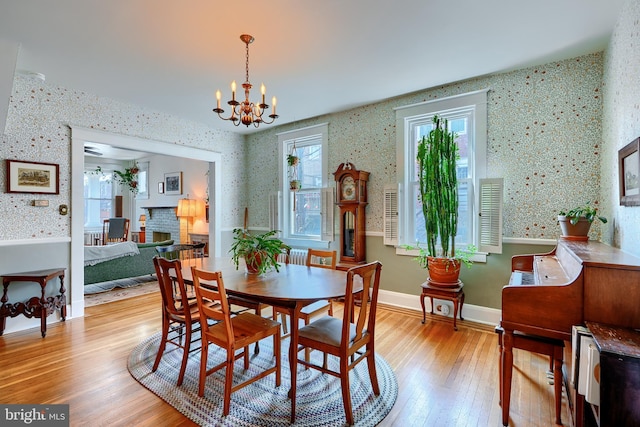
467, 117
303, 210
98, 197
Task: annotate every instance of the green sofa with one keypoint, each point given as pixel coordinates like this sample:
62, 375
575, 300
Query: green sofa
125, 267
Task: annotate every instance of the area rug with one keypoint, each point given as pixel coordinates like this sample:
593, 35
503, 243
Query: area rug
319, 396
95, 288
118, 294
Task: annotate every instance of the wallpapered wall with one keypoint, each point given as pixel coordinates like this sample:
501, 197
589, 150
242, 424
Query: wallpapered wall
37, 130
544, 137
621, 123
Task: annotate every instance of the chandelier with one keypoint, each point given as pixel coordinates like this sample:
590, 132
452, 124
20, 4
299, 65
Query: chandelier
246, 112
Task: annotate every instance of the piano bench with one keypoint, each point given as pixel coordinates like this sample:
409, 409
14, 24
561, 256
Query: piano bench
554, 348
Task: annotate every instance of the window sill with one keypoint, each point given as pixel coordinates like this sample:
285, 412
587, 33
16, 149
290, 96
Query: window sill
477, 257
306, 243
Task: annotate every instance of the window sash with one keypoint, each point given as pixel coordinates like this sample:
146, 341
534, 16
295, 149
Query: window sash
419, 126
98, 198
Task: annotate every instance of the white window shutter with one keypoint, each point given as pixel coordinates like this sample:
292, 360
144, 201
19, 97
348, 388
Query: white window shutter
490, 229
326, 214
391, 216
274, 212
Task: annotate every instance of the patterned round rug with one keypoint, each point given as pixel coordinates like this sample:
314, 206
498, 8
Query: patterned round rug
318, 401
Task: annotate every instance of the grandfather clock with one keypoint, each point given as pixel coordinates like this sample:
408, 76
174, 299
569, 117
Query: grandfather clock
351, 194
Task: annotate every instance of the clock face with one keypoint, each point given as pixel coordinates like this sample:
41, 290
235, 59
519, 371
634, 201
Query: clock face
348, 188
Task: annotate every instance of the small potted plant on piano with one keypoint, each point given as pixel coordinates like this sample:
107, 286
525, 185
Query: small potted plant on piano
575, 223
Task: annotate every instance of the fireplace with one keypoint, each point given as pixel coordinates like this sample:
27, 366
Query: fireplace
162, 223
160, 236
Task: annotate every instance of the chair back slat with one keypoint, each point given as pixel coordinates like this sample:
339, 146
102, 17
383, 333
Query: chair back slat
172, 288
364, 317
322, 259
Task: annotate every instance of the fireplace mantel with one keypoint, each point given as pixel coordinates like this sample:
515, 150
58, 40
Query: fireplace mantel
151, 208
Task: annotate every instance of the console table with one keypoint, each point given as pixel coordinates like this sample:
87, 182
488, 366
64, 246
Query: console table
39, 307
454, 294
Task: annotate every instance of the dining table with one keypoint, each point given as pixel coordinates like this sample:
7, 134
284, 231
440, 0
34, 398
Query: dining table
290, 288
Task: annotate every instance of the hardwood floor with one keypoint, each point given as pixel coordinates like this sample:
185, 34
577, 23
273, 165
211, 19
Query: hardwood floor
445, 378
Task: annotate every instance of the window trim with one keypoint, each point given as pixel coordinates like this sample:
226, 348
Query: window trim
321, 130
405, 115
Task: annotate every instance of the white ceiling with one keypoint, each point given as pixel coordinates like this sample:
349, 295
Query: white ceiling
316, 56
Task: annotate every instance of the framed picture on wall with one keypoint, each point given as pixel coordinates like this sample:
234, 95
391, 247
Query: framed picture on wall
173, 183
32, 177
629, 170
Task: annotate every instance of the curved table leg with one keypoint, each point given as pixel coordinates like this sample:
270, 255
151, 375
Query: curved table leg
424, 311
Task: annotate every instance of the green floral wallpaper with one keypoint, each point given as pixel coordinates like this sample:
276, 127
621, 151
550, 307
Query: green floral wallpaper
544, 137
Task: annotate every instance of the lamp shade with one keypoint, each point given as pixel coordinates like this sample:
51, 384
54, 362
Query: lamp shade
187, 208
142, 218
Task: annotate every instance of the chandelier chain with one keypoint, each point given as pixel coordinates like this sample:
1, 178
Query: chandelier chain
247, 65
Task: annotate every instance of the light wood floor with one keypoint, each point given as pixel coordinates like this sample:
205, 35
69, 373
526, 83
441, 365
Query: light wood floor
445, 378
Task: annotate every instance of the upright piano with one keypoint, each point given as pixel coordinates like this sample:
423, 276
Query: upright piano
578, 281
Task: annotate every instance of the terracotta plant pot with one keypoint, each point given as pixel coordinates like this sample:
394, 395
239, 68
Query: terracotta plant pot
444, 272
569, 231
253, 265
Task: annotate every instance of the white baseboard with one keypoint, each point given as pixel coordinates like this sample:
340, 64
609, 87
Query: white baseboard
474, 313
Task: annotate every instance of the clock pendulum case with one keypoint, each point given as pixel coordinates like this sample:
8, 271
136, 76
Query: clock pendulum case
351, 194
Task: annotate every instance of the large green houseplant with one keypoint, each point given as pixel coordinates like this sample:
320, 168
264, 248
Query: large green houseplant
437, 155
260, 251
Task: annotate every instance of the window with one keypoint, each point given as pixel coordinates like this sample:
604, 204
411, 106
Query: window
143, 181
467, 117
98, 197
302, 209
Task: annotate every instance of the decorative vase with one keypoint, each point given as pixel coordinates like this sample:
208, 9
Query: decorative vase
444, 272
578, 231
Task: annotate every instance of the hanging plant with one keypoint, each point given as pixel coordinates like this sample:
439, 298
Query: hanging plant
294, 184
128, 178
292, 160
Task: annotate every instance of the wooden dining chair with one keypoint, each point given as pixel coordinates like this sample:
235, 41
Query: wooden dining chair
256, 306
315, 258
180, 316
351, 338
218, 327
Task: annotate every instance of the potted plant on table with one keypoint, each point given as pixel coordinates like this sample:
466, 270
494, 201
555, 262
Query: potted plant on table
260, 251
575, 223
437, 155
